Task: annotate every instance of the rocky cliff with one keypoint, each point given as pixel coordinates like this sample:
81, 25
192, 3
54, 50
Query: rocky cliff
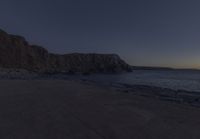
17, 53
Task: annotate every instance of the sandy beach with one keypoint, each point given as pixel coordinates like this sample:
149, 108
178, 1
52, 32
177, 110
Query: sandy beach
60, 109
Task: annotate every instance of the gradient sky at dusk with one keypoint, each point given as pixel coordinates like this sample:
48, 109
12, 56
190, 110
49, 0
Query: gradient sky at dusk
143, 32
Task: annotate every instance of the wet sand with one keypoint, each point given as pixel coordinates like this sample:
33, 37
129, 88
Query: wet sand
58, 109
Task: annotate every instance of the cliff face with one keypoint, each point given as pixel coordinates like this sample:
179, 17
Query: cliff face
17, 53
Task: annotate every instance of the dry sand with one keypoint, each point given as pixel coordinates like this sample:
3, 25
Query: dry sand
73, 110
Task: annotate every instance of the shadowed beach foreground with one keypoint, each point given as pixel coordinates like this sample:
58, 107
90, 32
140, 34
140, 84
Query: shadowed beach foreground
56, 109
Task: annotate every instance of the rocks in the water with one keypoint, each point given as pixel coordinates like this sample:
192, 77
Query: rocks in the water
17, 53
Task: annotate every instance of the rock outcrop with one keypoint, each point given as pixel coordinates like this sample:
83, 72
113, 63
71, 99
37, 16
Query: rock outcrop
17, 53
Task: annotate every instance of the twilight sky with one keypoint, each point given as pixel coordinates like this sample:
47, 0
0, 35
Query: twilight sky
143, 32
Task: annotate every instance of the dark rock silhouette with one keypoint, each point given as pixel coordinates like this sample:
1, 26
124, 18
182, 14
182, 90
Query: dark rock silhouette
17, 53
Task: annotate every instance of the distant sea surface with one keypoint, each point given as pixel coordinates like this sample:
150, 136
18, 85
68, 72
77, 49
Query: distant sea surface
174, 79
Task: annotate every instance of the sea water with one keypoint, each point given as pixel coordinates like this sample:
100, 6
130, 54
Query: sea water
174, 79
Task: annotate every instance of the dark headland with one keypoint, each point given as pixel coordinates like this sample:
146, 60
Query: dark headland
17, 53
82, 109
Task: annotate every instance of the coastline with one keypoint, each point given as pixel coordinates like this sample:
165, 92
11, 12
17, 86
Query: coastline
181, 96
191, 98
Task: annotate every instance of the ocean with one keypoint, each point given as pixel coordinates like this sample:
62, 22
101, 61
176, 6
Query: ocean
174, 79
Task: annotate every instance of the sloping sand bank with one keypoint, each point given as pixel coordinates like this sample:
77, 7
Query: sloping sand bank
59, 109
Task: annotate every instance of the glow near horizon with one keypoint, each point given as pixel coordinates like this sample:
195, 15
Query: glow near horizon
146, 33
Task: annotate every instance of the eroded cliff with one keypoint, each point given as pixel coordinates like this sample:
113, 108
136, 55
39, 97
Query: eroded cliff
17, 53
